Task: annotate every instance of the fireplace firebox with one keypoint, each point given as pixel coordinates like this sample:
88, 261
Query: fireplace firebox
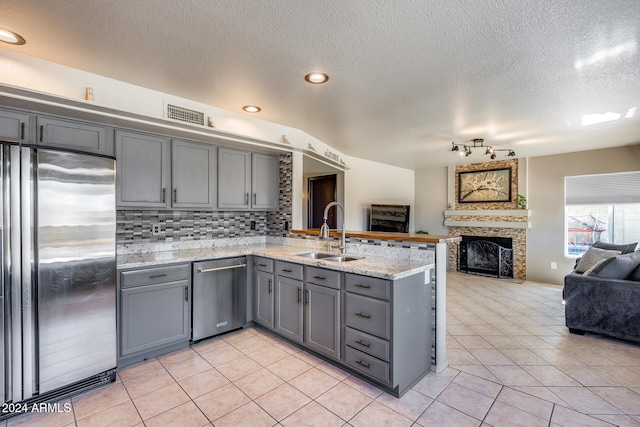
492, 256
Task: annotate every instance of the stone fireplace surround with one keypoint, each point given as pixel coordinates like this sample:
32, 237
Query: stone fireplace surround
510, 223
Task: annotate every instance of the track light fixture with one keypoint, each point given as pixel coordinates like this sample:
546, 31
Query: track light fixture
465, 149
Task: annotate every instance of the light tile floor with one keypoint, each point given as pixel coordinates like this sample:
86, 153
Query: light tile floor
512, 363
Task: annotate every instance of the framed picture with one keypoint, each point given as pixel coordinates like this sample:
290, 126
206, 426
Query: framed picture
482, 186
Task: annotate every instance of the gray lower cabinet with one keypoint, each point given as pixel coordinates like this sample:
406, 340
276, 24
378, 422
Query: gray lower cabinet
14, 125
387, 329
307, 306
322, 320
154, 312
288, 306
74, 135
263, 292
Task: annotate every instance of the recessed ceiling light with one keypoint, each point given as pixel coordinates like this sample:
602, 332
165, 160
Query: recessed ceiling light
252, 109
11, 37
316, 78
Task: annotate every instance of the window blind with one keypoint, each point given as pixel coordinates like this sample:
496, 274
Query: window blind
610, 188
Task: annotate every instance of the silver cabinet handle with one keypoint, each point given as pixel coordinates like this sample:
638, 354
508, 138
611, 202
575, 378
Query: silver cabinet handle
155, 276
320, 277
228, 267
254, 198
306, 297
287, 270
364, 344
186, 294
269, 285
175, 195
299, 295
41, 133
246, 198
22, 131
363, 286
364, 316
163, 195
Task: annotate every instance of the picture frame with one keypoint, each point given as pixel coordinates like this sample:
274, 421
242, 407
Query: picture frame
485, 186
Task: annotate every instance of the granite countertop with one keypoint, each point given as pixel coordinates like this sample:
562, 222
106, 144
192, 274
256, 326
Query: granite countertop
374, 266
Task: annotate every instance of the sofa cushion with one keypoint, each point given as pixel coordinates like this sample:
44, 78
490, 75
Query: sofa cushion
617, 267
592, 257
635, 274
624, 248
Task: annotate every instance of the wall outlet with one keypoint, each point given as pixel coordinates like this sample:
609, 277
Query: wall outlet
554, 265
253, 225
155, 228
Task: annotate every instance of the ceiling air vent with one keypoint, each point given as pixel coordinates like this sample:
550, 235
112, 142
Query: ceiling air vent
185, 114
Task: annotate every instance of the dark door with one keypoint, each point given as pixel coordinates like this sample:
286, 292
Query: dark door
322, 191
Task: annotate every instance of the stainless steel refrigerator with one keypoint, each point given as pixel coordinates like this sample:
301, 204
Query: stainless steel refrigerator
57, 227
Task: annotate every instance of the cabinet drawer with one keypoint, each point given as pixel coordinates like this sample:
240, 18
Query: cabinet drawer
264, 264
370, 286
148, 276
322, 276
366, 364
368, 315
289, 269
367, 343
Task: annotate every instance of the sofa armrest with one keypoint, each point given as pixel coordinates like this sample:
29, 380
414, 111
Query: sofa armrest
604, 306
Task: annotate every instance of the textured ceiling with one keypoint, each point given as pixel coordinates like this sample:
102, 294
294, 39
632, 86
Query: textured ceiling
406, 76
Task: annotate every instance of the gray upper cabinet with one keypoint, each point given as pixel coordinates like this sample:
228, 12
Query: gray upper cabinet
142, 169
265, 179
73, 135
234, 179
193, 175
247, 180
14, 126
155, 172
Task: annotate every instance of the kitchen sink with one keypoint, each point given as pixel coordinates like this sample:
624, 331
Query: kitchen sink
341, 258
315, 255
327, 256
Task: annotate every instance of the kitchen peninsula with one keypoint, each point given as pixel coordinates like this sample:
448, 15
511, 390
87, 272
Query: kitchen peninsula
398, 289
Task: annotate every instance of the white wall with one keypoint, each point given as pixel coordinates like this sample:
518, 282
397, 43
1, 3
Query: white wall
546, 237
431, 200
368, 182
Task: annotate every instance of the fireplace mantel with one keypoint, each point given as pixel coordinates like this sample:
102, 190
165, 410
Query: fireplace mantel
499, 218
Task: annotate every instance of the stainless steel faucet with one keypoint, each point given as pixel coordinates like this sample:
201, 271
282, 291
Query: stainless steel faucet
324, 230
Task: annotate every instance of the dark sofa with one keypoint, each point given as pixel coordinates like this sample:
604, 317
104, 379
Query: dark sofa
605, 298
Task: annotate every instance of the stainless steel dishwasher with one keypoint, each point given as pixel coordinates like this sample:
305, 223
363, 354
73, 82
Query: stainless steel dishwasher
219, 296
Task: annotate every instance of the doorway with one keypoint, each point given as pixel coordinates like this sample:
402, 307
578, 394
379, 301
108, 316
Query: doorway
322, 191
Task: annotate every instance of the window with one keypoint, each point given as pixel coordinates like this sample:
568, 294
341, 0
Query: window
601, 208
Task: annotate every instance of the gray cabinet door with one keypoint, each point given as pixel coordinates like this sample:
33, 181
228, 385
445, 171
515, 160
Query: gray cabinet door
193, 175
288, 318
14, 126
234, 179
265, 178
142, 170
74, 135
153, 316
263, 290
322, 320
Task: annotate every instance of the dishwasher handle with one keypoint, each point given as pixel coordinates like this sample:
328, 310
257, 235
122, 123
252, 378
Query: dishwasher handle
228, 267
